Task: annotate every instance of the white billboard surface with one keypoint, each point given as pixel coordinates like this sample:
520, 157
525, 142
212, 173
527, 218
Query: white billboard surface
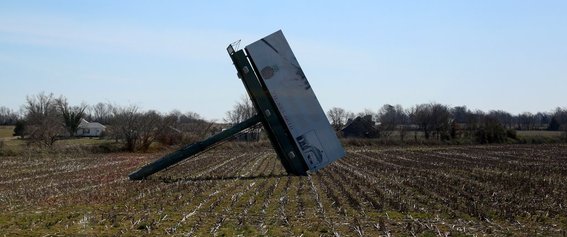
286, 83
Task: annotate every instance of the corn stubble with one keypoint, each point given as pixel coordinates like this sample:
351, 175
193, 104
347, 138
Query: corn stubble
374, 191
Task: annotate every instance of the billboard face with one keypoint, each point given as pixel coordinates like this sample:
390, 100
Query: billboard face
280, 73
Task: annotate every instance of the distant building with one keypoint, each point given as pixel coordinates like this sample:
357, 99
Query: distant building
88, 129
361, 127
249, 136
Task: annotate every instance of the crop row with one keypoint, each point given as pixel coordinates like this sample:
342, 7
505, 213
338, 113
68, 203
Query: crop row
372, 191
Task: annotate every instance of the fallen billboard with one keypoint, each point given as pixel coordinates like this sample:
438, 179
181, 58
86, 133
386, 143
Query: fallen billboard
281, 75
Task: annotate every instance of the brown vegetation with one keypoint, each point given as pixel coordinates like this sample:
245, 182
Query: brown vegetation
238, 189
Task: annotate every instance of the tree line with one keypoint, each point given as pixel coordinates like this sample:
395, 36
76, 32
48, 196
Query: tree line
442, 122
45, 119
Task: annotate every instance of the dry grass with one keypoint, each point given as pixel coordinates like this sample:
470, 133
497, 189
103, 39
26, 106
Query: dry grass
6, 131
551, 134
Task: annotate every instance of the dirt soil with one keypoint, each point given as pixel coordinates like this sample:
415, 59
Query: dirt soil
449, 190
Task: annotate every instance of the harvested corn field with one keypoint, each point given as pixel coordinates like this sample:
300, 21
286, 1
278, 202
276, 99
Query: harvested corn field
452, 190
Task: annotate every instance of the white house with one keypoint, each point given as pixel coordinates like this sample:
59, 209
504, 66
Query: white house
87, 129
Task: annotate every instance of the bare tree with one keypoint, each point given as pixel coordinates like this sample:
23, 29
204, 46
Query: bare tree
139, 129
526, 121
490, 130
421, 115
169, 131
338, 117
542, 120
432, 118
8, 116
44, 124
404, 121
559, 121
366, 113
459, 116
474, 122
392, 118
242, 110
460, 113
150, 124
125, 123
197, 127
190, 115
71, 115
186, 127
503, 117
102, 112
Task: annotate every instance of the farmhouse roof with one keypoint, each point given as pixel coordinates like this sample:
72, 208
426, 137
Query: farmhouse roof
86, 124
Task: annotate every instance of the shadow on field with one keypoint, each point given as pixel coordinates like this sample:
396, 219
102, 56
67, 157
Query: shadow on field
216, 178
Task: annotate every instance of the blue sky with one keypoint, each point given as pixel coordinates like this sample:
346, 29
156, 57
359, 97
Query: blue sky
165, 55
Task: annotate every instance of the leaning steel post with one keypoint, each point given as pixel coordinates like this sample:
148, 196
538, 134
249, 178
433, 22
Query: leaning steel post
192, 149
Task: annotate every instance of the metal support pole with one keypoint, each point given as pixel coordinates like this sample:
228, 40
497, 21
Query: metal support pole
192, 149
272, 120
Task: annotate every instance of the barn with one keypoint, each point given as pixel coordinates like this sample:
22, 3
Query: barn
361, 127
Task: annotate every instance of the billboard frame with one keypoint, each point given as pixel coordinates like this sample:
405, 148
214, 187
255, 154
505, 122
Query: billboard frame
290, 150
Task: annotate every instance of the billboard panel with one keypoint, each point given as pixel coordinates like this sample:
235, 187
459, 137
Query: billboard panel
280, 73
